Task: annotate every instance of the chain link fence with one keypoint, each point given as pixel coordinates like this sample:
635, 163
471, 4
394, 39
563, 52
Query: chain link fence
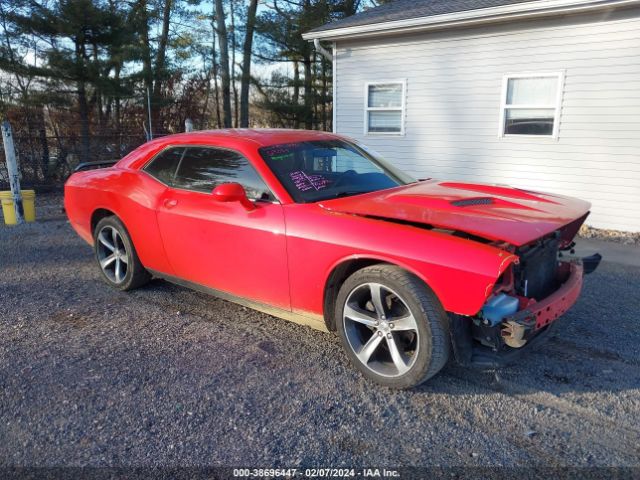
45, 162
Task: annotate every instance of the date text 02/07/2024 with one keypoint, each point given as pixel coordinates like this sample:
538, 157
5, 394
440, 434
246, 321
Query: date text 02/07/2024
315, 473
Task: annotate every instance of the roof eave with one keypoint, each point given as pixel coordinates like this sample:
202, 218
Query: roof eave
520, 11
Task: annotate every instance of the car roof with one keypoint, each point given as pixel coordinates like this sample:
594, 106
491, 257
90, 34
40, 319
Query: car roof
260, 136
230, 138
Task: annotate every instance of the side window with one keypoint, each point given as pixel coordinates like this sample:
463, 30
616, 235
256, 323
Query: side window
204, 168
164, 166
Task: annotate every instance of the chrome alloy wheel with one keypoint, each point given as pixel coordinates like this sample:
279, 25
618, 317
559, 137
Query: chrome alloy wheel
112, 254
381, 330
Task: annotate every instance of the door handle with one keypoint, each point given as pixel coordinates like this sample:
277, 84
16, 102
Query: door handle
170, 203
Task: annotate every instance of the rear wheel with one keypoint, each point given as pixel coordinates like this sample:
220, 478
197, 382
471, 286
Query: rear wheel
117, 257
392, 326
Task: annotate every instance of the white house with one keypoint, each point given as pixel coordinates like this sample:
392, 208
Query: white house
538, 94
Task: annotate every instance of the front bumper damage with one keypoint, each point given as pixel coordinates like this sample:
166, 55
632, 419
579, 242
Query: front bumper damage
527, 328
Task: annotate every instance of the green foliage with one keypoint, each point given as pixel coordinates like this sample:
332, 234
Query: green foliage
77, 75
305, 99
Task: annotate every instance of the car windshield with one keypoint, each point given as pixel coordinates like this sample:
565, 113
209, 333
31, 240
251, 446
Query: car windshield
323, 169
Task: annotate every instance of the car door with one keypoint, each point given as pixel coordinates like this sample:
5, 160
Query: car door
222, 245
145, 192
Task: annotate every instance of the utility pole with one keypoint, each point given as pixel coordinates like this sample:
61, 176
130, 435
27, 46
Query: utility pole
12, 169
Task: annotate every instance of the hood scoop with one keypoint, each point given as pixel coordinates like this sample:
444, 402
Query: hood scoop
473, 202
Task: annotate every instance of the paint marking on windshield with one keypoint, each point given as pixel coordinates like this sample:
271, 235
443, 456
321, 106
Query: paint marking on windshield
304, 182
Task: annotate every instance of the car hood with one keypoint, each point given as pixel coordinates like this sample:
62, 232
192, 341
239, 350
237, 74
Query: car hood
492, 212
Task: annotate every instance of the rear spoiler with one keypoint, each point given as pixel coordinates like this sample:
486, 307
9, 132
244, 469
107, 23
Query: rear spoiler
91, 165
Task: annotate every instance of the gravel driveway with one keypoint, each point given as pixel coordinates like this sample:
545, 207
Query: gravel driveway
167, 376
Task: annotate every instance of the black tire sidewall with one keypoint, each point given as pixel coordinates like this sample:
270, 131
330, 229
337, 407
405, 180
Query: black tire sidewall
126, 240
422, 368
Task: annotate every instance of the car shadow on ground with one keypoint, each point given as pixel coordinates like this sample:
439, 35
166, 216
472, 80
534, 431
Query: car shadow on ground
596, 347
585, 354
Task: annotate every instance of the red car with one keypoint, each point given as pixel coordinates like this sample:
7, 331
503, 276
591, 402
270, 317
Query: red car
316, 228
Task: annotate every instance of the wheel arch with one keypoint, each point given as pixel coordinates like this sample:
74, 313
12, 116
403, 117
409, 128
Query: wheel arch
97, 215
342, 270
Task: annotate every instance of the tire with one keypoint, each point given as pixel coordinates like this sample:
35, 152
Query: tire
120, 266
413, 321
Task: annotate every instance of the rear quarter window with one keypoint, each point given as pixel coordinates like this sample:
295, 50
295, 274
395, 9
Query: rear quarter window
163, 167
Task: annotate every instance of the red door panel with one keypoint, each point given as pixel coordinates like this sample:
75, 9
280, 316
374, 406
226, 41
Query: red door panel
224, 246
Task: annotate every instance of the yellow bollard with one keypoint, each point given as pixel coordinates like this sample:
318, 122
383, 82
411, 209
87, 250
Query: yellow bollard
28, 205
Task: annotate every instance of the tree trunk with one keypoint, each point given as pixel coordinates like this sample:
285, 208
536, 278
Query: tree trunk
323, 62
308, 92
42, 133
234, 84
307, 58
216, 90
83, 105
98, 90
83, 109
162, 43
316, 99
161, 56
221, 29
117, 113
351, 7
143, 25
146, 45
246, 64
207, 95
296, 94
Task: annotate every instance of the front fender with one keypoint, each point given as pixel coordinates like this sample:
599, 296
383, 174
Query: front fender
461, 272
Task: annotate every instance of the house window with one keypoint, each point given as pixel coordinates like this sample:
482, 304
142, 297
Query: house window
531, 104
384, 112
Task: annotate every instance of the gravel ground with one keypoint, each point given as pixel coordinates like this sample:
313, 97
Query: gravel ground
165, 376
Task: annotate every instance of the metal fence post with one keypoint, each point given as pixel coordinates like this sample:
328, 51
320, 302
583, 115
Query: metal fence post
12, 170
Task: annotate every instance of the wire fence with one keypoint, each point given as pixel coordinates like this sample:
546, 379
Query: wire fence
45, 162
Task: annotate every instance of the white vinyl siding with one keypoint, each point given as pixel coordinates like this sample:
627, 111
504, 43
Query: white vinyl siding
454, 99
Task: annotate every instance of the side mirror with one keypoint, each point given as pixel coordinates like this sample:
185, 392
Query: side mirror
232, 192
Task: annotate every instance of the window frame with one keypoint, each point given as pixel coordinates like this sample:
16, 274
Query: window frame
274, 199
402, 109
556, 107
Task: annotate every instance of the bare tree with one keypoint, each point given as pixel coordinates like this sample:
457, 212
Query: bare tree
221, 29
246, 63
234, 84
161, 58
216, 88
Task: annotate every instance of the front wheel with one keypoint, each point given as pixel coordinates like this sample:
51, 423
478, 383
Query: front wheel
392, 326
117, 257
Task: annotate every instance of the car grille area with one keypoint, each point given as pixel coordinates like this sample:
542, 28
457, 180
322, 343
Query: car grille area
536, 275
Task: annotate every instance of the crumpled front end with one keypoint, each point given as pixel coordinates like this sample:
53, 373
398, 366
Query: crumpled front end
526, 302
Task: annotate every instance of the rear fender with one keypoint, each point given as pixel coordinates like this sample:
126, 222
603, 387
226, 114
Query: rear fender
131, 197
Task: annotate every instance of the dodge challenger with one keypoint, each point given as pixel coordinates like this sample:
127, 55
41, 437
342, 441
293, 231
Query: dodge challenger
317, 228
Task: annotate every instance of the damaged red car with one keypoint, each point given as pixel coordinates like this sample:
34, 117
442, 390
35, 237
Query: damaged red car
316, 228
